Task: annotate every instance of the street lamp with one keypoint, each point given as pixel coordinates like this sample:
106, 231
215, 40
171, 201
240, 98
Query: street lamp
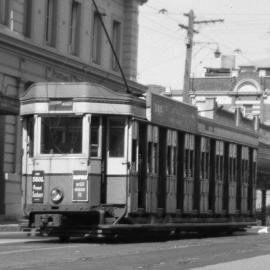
217, 52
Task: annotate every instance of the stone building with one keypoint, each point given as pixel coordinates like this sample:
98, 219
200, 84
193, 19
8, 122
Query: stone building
247, 88
57, 40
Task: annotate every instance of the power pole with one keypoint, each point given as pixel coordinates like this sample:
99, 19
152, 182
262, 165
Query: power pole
189, 45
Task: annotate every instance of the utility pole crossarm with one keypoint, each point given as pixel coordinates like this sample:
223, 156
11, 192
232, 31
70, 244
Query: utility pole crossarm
209, 21
186, 27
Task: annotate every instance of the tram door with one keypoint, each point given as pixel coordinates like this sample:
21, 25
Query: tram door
116, 165
138, 167
142, 164
161, 202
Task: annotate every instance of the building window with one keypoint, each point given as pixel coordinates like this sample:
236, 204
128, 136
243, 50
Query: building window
75, 23
5, 12
96, 40
51, 12
116, 41
27, 17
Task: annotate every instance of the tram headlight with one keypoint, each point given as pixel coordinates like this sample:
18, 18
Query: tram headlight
57, 195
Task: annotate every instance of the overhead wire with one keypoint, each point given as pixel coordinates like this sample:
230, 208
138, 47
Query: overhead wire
239, 27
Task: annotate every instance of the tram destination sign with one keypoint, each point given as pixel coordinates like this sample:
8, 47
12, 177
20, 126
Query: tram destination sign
37, 187
171, 113
61, 105
80, 186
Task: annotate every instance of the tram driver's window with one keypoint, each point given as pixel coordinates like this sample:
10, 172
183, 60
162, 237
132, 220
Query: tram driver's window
61, 135
116, 137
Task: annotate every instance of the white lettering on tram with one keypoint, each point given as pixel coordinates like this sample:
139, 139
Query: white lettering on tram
38, 179
79, 177
37, 195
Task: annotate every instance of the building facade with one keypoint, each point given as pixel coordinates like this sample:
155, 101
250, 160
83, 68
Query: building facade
57, 40
246, 88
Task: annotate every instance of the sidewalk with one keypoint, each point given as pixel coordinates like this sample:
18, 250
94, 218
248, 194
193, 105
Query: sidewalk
12, 225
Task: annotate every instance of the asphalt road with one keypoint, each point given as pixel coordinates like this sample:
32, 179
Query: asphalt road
241, 251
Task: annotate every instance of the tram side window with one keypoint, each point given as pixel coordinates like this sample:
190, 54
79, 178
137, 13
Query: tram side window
254, 166
134, 146
219, 160
155, 158
244, 165
150, 157
189, 155
232, 162
174, 160
30, 135
116, 137
94, 136
169, 160
152, 149
171, 152
134, 154
61, 135
205, 150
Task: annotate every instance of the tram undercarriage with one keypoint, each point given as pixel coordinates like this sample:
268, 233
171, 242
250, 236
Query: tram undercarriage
111, 221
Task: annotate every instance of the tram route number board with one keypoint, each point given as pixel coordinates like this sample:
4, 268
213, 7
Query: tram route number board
80, 186
37, 187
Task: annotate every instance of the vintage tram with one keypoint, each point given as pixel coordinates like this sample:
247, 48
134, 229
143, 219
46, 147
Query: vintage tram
98, 162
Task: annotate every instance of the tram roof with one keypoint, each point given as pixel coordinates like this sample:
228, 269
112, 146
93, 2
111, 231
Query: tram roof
74, 90
83, 97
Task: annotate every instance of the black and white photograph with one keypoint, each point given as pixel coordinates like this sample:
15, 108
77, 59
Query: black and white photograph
134, 134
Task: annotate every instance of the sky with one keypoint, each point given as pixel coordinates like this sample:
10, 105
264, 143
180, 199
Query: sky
244, 33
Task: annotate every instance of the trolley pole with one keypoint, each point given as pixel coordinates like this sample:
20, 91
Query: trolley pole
189, 45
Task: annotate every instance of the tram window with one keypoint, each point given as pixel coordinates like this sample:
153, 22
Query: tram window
174, 160
116, 137
244, 165
61, 135
232, 162
155, 158
150, 157
94, 136
254, 166
205, 148
219, 160
169, 160
134, 154
191, 163
189, 155
30, 136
